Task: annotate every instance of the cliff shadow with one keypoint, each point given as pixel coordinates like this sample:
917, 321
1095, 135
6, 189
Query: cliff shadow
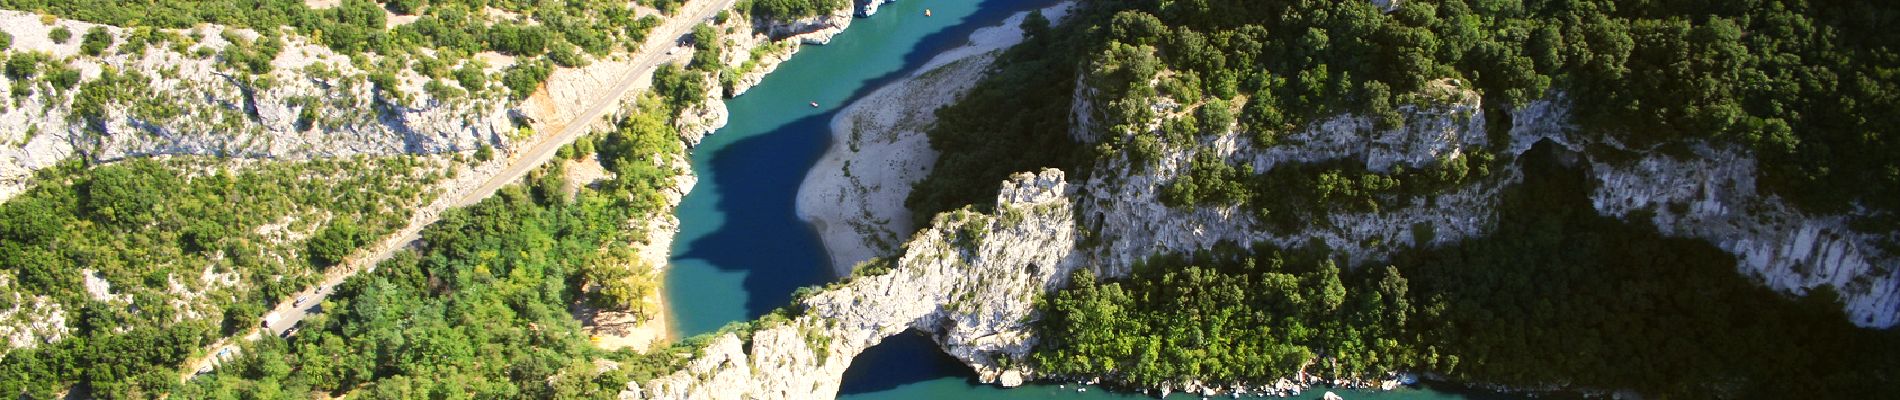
907, 358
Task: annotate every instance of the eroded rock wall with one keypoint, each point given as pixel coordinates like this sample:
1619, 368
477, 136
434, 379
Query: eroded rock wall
971, 281
182, 98
1709, 194
1122, 205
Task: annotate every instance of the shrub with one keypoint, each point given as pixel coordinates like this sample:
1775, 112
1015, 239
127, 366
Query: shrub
95, 42
60, 35
334, 243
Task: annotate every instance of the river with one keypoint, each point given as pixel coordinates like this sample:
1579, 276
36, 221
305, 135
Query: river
742, 250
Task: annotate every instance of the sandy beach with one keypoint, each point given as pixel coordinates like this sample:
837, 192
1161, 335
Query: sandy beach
613, 330
855, 195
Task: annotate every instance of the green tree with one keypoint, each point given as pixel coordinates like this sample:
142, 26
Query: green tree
95, 42
335, 243
60, 34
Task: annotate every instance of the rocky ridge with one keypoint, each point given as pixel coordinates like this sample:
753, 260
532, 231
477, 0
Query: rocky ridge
970, 281
1122, 206
1708, 194
185, 100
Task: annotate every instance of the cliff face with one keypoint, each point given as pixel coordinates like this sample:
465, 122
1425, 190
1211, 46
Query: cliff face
1711, 195
1122, 204
971, 281
1708, 194
180, 98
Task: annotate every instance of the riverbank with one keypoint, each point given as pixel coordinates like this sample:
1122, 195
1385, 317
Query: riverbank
650, 325
854, 196
766, 45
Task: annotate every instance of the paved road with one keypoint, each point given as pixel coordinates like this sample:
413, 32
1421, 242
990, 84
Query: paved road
650, 55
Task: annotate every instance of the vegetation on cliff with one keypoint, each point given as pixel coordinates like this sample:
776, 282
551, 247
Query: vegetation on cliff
442, 34
1003, 125
482, 306
193, 249
779, 10
1804, 84
1556, 295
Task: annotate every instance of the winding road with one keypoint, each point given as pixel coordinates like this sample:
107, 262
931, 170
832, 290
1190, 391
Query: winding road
651, 54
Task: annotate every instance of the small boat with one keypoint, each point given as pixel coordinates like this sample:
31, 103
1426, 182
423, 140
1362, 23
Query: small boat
926, 12
814, 104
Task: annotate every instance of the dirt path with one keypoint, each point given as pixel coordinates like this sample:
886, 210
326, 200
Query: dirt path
552, 135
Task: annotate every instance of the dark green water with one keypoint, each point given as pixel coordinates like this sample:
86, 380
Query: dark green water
742, 250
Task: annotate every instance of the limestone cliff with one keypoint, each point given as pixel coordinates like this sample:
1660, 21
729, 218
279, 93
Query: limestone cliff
957, 279
971, 280
1123, 208
1709, 194
181, 96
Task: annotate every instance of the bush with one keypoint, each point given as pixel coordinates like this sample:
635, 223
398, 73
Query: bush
95, 42
484, 153
706, 48
680, 88
60, 35
526, 77
471, 78
128, 196
24, 65
519, 40
335, 243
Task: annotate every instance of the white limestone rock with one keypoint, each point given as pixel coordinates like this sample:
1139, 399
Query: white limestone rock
869, 7
971, 281
180, 103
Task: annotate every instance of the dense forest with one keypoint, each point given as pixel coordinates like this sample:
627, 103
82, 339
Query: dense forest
481, 308
1806, 85
1556, 296
166, 235
356, 26
146, 224
997, 129
439, 43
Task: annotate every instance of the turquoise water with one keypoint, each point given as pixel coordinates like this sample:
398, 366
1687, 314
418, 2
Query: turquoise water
741, 250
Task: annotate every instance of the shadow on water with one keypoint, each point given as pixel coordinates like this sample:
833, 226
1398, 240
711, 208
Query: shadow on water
758, 181
907, 358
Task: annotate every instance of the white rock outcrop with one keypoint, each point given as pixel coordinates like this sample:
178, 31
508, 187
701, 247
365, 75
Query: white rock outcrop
869, 7
1709, 194
31, 319
1122, 202
855, 195
181, 98
971, 281
1712, 196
